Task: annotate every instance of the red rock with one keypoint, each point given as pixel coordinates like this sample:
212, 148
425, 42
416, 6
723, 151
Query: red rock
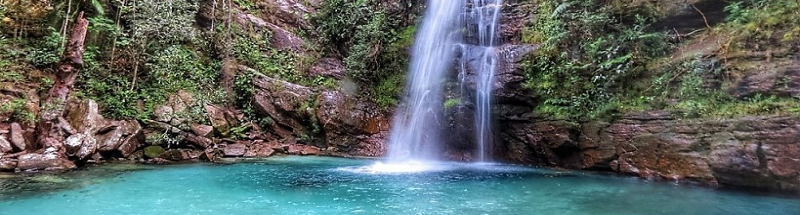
5, 146
260, 149
176, 155
298, 149
234, 150
328, 67
7, 165
287, 104
35, 161
218, 120
18, 137
84, 116
163, 113
80, 146
202, 130
123, 137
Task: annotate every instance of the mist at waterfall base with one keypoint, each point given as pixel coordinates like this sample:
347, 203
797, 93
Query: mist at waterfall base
320, 185
415, 143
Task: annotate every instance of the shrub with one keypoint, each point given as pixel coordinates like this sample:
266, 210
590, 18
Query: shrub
157, 22
588, 56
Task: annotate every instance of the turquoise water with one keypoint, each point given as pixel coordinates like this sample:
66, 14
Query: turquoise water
318, 185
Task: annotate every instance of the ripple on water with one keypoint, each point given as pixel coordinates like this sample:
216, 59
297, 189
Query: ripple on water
311, 185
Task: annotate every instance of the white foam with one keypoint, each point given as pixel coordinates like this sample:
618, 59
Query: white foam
412, 166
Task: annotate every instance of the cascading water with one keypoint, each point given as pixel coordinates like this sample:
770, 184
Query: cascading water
415, 132
482, 18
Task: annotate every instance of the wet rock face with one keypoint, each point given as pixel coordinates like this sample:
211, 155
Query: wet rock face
758, 152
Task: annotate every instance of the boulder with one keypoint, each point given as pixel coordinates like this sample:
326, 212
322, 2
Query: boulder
5, 146
154, 151
19, 137
163, 113
7, 165
80, 146
778, 78
84, 116
260, 150
47, 162
287, 13
298, 149
285, 40
234, 150
202, 130
120, 137
219, 119
176, 155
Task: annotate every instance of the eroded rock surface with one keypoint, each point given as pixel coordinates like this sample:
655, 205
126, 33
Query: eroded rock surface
759, 152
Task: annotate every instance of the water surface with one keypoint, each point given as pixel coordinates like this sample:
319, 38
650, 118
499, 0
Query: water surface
319, 185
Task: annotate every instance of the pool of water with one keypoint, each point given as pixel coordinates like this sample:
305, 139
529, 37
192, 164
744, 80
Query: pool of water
320, 185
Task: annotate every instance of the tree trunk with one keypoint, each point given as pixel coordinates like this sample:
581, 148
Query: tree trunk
52, 129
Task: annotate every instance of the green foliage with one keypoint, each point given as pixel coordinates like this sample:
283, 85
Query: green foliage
362, 32
103, 31
247, 5
756, 25
45, 52
450, 103
256, 53
18, 111
168, 71
338, 20
587, 55
387, 93
8, 72
244, 89
736, 12
365, 51
154, 23
133, 66
177, 68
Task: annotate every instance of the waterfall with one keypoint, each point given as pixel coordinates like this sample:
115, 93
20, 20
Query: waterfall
416, 129
482, 20
415, 133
